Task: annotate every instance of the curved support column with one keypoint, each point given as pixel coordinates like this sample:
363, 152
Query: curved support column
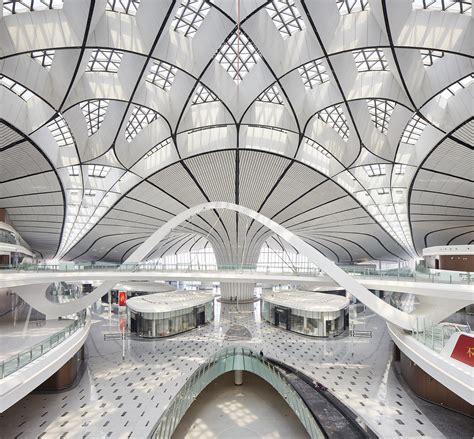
389, 313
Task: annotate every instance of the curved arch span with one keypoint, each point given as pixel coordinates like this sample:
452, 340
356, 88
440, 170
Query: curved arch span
388, 312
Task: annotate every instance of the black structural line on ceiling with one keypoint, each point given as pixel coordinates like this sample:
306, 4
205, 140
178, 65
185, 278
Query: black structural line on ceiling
420, 166
122, 258
461, 234
53, 169
230, 149
348, 241
347, 107
336, 245
425, 239
317, 245
443, 193
29, 194
444, 206
447, 174
111, 249
159, 208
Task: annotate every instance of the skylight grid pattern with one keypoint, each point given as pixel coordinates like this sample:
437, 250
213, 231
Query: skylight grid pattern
429, 57
140, 118
44, 57
457, 86
18, 6
380, 111
73, 171
162, 75
94, 112
128, 7
156, 148
383, 191
238, 55
413, 130
203, 95
90, 193
16, 88
313, 73
98, 171
285, 16
189, 17
400, 168
350, 6
318, 147
334, 117
370, 60
61, 132
271, 95
375, 170
456, 6
104, 60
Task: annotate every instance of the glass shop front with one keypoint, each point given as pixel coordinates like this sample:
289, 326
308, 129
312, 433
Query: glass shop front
164, 324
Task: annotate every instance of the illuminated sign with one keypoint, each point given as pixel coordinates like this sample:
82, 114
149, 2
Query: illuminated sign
122, 298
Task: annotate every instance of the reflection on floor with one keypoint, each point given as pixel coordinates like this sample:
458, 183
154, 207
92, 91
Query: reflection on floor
19, 331
252, 410
123, 397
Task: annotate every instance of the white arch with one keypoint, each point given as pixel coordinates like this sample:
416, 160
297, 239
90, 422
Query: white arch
388, 312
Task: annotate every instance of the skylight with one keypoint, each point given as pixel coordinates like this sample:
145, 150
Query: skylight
375, 170
140, 118
156, 148
89, 193
334, 117
317, 147
429, 57
380, 111
162, 75
61, 132
73, 171
457, 6
271, 95
18, 6
370, 60
238, 55
104, 60
457, 86
400, 168
350, 6
94, 112
189, 17
413, 130
285, 16
16, 88
203, 95
98, 171
44, 57
313, 73
383, 190
129, 7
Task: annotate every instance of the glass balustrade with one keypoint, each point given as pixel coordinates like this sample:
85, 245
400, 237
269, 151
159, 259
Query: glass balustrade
435, 336
226, 360
24, 358
431, 276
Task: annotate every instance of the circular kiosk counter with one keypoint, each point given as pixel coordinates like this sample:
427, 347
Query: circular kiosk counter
305, 312
165, 314
126, 290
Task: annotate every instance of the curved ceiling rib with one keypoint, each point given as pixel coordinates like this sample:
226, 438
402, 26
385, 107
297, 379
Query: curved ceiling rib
334, 119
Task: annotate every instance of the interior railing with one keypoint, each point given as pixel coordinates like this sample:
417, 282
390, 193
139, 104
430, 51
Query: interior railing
430, 275
435, 336
22, 359
226, 360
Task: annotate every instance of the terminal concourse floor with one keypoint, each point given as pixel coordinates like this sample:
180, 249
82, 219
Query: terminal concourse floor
121, 398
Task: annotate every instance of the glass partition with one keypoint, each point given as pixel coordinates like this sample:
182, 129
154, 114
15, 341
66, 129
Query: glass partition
24, 358
226, 360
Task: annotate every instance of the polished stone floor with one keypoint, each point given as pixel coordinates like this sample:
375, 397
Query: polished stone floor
252, 410
128, 385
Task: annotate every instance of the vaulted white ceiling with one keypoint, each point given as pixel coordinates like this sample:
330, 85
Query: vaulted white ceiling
348, 122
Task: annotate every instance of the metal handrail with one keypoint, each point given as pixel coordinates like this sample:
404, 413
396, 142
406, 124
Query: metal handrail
22, 359
226, 360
